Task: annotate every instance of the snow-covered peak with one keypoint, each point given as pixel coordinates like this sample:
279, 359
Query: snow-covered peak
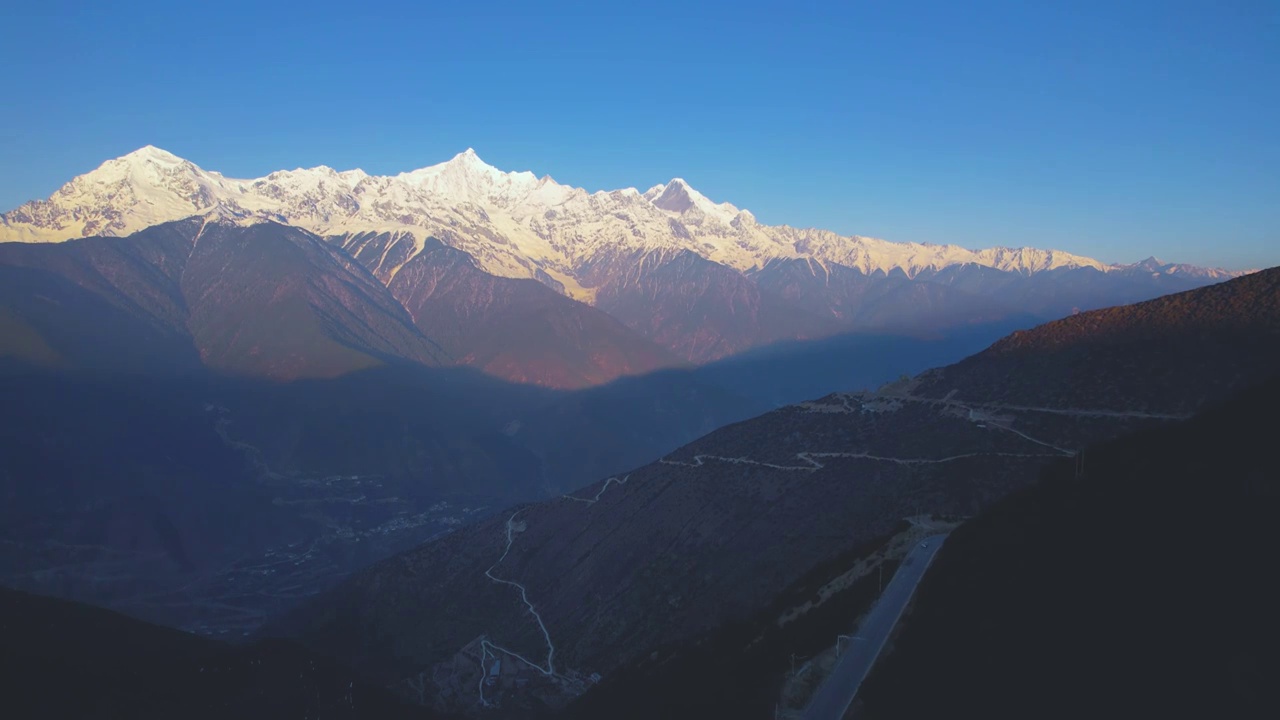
1156, 266
120, 196
672, 196
514, 224
467, 178
149, 153
1152, 264
1027, 260
466, 161
678, 197
148, 165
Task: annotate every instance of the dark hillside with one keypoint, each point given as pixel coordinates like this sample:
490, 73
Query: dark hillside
737, 671
60, 659
710, 535
1145, 588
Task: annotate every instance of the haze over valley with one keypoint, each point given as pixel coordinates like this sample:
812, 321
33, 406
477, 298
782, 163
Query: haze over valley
857, 362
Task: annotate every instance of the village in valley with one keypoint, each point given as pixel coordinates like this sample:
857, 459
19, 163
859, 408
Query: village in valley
497, 679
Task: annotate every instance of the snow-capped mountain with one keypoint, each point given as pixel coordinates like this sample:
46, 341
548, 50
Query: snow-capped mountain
514, 224
1157, 267
703, 280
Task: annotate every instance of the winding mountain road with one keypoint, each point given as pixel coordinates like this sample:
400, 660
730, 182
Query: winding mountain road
848, 675
813, 465
486, 646
488, 649
846, 407
833, 698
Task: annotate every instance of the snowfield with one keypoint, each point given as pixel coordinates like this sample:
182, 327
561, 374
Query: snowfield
514, 224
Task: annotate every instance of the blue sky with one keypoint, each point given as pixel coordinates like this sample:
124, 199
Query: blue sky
1115, 129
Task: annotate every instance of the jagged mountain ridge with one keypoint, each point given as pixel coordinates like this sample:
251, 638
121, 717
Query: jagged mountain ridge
701, 280
513, 223
553, 223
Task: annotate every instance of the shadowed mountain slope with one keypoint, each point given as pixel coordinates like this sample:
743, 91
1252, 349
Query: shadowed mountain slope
273, 301
63, 659
518, 329
716, 530
1143, 587
126, 485
264, 300
100, 304
702, 279
700, 309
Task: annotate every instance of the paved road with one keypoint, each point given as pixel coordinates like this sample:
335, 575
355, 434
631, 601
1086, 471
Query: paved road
858, 655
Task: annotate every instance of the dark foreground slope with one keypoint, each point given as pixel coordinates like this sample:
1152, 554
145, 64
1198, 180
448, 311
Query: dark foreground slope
1144, 588
742, 669
60, 659
716, 531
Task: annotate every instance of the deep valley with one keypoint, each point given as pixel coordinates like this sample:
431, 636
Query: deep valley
467, 443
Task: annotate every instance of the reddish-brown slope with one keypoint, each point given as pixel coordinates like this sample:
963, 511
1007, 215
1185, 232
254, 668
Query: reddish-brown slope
515, 329
1162, 355
274, 301
265, 300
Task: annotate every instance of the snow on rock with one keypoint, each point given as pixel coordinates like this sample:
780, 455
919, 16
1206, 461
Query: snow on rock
514, 224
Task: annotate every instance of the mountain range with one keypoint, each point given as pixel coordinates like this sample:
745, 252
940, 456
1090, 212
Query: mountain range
534, 281
205, 395
225, 396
